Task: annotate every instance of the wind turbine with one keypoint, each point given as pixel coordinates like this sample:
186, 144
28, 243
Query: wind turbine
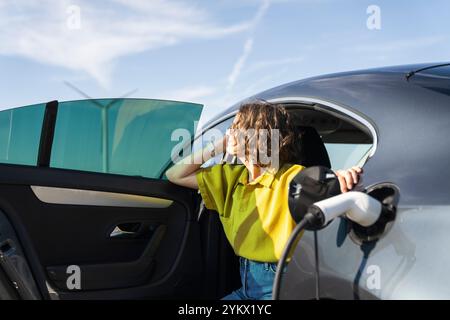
104, 114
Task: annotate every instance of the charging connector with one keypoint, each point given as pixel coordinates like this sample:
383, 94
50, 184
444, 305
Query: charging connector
357, 206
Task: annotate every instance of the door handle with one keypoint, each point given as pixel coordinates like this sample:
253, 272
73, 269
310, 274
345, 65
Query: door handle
133, 230
118, 233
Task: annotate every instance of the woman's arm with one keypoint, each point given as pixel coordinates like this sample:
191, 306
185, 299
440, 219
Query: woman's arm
183, 173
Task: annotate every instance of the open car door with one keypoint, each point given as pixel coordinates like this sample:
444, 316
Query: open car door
85, 209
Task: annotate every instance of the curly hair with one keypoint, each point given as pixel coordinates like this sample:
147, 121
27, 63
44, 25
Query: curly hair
261, 115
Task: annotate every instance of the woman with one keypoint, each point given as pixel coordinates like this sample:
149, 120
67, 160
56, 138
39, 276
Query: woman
251, 198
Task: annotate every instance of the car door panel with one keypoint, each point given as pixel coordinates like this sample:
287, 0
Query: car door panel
65, 234
68, 234
300, 281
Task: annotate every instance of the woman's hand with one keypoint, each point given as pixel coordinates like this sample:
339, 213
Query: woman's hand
235, 142
231, 143
348, 178
184, 172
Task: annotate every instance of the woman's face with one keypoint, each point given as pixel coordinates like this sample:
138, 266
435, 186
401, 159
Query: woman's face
237, 137
257, 144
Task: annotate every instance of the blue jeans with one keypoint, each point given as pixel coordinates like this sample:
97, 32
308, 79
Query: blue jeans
257, 280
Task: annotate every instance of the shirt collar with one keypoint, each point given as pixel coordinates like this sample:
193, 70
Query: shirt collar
265, 179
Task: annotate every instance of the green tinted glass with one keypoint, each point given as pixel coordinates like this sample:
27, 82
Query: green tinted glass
20, 132
122, 136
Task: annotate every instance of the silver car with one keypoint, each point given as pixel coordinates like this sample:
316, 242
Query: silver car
86, 211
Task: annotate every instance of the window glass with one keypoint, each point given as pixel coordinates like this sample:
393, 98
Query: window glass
20, 133
210, 135
346, 155
122, 136
346, 142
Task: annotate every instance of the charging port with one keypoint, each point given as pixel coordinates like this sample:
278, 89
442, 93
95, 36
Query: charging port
388, 194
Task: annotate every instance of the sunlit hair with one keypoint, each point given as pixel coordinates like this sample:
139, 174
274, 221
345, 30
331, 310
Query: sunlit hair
259, 115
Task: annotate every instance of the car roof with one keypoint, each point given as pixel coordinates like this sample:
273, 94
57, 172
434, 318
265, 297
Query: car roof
396, 73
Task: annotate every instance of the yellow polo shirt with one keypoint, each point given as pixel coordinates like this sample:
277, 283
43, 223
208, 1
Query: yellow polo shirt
255, 215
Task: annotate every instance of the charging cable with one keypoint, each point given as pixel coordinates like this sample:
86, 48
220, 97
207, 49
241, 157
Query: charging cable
356, 206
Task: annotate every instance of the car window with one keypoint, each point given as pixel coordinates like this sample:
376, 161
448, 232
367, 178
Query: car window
212, 133
347, 142
121, 136
346, 155
20, 132
342, 155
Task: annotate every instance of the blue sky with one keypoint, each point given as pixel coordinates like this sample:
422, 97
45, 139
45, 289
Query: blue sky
211, 52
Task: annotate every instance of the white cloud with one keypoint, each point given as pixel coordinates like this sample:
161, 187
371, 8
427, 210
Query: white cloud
239, 64
38, 30
263, 64
216, 97
248, 47
261, 12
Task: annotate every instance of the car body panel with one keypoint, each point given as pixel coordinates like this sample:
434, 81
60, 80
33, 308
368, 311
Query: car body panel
409, 262
299, 281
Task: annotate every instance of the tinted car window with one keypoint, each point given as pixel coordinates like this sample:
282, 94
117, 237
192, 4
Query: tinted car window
121, 136
20, 132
